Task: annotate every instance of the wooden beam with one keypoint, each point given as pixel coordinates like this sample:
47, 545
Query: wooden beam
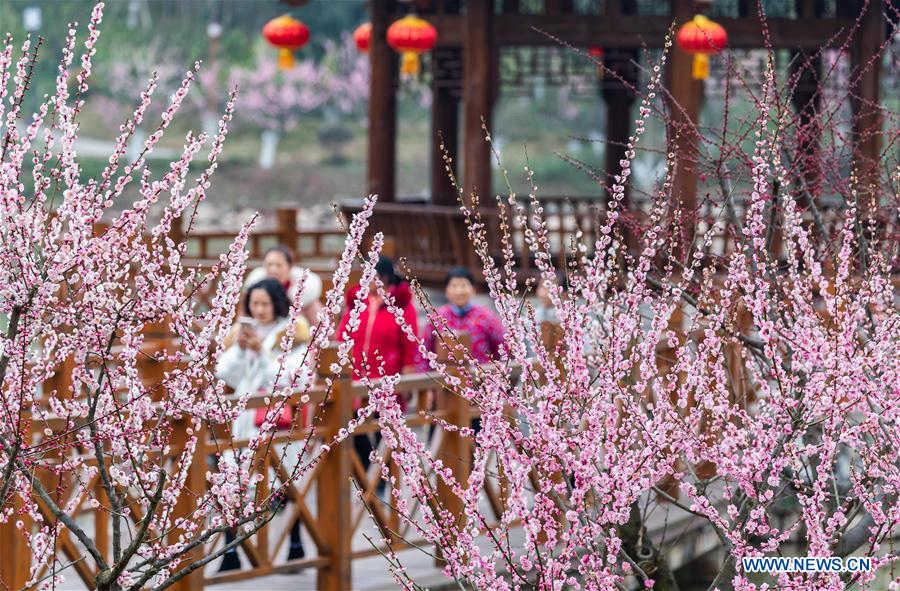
686, 95
444, 124
382, 162
867, 117
634, 32
477, 93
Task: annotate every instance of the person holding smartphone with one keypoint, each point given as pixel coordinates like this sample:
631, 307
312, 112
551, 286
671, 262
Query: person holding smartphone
250, 363
251, 366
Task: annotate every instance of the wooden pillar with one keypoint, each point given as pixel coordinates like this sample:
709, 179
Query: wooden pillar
381, 174
101, 519
477, 94
445, 123
510, 7
807, 100
287, 228
619, 100
333, 483
556, 7
864, 97
684, 106
748, 8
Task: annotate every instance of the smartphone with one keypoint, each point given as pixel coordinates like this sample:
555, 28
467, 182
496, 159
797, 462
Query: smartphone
246, 322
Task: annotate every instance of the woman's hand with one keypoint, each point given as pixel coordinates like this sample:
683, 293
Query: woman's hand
248, 339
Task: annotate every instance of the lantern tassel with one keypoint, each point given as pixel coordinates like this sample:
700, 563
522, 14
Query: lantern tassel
285, 59
700, 68
410, 65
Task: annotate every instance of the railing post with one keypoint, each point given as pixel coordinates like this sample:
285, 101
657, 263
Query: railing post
287, 228
457, 456
194, 487
333, 482
176, 232
317, 250
16, 563
665, 363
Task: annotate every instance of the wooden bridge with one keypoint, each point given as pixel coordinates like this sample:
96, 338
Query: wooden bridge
343, 545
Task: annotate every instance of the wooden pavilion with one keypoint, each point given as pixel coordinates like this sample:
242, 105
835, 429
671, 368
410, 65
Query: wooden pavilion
465, 77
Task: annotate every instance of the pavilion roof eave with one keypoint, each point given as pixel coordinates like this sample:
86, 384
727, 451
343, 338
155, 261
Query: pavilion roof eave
642, 31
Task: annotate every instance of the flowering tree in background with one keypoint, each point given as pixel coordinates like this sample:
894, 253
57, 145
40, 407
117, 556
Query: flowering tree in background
276, 100
347, 78
336, 86
80, 298
124, 80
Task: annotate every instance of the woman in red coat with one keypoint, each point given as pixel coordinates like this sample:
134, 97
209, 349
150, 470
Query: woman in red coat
380, 347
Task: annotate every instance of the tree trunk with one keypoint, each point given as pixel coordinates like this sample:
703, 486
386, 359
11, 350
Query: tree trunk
636, 545
269, 148
135, 145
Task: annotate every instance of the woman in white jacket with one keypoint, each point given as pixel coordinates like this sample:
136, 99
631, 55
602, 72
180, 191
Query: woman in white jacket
278, 264
250, 365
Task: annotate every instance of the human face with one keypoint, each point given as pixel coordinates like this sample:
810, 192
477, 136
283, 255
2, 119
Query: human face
543, 295
261, 307
459, 291
277, 266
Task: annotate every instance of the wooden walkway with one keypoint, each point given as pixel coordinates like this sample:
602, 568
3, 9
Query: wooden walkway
666, 525
369, 574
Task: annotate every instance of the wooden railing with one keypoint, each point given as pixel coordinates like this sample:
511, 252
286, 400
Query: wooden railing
434, 238
316, 244
323, 500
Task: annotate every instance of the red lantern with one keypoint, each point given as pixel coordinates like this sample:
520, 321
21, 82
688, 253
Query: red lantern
411, 36
361, 36
702, 38
288, 35
597, 54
